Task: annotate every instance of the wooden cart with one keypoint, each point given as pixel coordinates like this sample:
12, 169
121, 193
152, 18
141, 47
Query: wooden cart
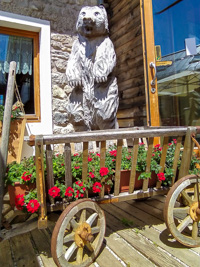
79, 231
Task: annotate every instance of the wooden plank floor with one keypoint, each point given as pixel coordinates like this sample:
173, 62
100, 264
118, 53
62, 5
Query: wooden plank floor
135, 236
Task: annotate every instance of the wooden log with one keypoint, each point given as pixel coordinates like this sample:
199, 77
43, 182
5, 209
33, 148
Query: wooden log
131, 18
134, 26
130, 64
133, 92
134, 42
132, 52
6, 130
130, 113
130, 83
134, 72
128, 36
124, 9
115, 3
123, 123
137, 101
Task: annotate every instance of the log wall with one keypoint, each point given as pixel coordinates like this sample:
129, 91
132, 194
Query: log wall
125, 32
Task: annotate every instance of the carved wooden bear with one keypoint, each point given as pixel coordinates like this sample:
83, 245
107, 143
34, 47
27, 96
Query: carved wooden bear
94, 99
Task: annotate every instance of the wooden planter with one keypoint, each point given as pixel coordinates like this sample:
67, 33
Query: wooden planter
18, 189
16, 139
125, 179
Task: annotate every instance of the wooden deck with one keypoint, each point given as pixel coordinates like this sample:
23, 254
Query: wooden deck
136, 236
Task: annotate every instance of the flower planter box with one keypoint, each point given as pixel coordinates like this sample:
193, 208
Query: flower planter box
125, 179
16, 139
18, 189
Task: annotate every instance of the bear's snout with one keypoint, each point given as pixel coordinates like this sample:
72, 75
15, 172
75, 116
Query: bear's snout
88, 20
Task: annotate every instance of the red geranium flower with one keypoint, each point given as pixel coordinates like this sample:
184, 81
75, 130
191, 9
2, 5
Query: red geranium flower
69, 192
89, 159
26, 177
33, 205
98, 154
91, 174
161, 176
113, 153
76, 167
174, 140
104, 171
54, 191
96, 187
79, 183
76, 154
19, 201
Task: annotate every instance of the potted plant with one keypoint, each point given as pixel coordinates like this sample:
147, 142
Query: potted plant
20, 178
27, 202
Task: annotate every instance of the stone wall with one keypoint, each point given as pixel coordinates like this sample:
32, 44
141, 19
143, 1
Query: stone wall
62, 15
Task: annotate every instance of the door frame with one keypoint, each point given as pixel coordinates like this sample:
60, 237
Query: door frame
152, 104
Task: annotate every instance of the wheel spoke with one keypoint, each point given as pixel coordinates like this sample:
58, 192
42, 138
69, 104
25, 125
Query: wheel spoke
186, 197
69, 237
73, 223
195, 230
70, 251
92, 218
79, 256
90, 246
83, 216
184, 223
95, 230
180, 211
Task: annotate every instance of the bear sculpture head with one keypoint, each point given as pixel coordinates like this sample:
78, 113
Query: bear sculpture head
92, 22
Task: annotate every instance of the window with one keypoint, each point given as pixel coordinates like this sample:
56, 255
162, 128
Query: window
23, 48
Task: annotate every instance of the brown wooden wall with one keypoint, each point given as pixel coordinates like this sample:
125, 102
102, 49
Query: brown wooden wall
125, 32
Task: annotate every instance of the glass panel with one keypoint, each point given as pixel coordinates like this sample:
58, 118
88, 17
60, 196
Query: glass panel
20, 50
177, 35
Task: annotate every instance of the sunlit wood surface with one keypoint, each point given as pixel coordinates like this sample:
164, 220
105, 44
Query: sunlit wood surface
136, 235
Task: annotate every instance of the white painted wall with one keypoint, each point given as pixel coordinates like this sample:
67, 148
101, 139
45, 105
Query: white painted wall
43, 27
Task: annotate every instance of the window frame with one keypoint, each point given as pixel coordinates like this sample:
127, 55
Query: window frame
36, 117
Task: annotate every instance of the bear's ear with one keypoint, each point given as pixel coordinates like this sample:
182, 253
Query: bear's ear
105, 16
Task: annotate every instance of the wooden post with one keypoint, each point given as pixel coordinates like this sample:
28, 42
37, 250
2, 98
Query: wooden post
6, 130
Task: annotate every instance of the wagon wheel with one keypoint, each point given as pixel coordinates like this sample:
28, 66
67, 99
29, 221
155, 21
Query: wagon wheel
78, 234
182, 211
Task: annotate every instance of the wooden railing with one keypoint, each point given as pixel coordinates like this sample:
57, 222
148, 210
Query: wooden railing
46, 142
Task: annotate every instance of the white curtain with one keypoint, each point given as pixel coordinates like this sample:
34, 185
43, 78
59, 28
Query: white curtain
18, 49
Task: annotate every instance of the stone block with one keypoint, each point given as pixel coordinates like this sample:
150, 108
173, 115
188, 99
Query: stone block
58, 92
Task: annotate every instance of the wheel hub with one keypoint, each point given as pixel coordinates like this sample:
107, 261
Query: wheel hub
83, 234
194, 212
